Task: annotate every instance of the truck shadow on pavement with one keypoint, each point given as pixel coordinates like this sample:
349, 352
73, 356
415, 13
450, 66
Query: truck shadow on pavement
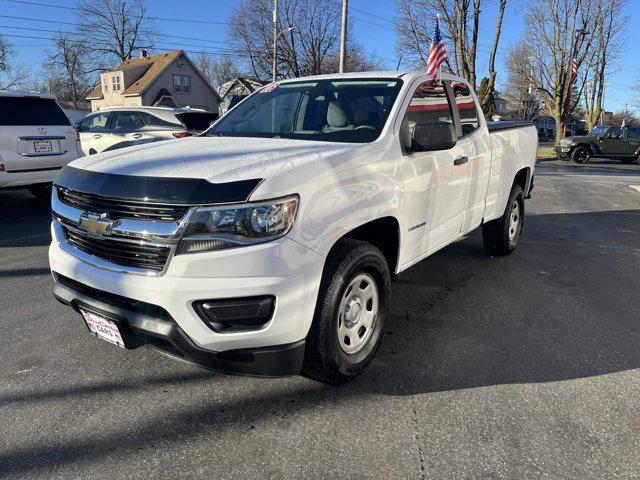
563, 306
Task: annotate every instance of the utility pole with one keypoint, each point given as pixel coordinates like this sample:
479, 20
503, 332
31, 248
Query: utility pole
275, 39
343, 35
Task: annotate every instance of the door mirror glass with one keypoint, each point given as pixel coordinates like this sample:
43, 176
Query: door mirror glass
432, 135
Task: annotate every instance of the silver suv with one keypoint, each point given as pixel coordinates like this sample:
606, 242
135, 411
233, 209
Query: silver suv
36, 140
118, 127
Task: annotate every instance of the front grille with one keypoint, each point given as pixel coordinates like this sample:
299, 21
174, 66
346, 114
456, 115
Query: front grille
117, 208
119, 251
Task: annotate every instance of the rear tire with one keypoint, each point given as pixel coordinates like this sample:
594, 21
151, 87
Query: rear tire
351, 313
41, 191
502, 235
581, 154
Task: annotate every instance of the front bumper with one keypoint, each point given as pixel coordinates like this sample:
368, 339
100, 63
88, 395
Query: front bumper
144, 324
562, 150
283, 269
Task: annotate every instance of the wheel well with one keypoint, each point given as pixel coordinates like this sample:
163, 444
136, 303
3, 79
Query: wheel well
522, 177
384, 233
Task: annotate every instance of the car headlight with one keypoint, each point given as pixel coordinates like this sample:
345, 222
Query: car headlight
231, 226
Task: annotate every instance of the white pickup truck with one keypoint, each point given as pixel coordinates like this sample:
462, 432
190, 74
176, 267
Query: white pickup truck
267, 246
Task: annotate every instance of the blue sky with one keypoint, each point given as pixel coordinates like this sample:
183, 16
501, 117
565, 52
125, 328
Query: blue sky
372, 26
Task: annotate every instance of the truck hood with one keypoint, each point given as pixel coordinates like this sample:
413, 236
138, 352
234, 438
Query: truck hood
215, 159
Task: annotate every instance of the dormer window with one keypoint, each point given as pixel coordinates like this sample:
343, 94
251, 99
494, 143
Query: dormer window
105, 85
115, 83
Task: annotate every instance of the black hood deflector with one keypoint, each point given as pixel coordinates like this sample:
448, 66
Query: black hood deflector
186, 191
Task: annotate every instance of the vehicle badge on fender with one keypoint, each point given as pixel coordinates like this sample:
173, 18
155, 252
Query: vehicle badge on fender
42, 131
97, 224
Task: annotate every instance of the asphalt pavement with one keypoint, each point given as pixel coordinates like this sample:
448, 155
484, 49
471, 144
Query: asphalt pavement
493, 368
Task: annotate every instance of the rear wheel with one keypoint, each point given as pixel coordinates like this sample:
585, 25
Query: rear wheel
41, 191
581, 154
351, 313
502, 235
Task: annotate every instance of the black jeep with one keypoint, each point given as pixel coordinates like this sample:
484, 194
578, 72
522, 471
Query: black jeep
604, 141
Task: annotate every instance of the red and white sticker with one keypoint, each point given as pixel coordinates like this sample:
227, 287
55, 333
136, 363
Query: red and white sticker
270, 88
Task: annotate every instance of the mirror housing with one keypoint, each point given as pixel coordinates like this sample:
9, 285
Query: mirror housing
432, 135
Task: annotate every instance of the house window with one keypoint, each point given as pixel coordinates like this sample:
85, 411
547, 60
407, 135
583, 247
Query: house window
115, 83
182, 84
105, 85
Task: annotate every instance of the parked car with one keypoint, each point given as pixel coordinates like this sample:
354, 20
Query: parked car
269, 244
118, 127
604, 141
36, 141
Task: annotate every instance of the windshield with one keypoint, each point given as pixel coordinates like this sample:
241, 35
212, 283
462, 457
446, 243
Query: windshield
598, 131
337, 110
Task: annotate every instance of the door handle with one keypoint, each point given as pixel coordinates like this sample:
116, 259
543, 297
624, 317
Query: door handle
461, 160
97, 136
137, 135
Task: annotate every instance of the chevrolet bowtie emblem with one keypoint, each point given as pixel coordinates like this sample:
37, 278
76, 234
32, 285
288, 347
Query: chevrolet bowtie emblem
97, 225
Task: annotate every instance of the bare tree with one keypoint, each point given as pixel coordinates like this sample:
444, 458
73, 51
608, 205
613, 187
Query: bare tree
626, 116
67, 70
461, 24
115, 29
518, 90
549, 39
308, 48
609, 41
11, 76
217, 70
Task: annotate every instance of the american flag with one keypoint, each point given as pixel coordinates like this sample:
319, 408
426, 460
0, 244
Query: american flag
574, 71
437, 52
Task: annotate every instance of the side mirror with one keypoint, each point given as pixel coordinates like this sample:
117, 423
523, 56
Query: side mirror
432, 135
78, 127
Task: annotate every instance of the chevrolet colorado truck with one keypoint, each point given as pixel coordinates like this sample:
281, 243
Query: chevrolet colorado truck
267, 246
613, 142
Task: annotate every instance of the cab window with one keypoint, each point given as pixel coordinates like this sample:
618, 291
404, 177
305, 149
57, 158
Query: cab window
94, 122
633, 132
466, 106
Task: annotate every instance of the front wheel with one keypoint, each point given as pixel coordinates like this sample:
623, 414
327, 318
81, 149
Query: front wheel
581, 154
351, 313
502, 235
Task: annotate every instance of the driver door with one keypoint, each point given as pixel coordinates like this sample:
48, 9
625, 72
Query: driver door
434, 191
612, 144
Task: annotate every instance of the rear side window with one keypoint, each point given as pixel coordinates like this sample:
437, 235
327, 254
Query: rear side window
466, 108
31, 111
127, 121
153, 121
633, 132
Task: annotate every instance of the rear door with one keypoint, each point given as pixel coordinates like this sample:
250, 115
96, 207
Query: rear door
633, 137
128, 128
94, 133
35, 134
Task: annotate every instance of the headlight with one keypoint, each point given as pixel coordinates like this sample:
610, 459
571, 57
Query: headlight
222, 227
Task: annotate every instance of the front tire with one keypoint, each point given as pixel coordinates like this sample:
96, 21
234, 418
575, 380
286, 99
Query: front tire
351, 313
502, 235
581, 154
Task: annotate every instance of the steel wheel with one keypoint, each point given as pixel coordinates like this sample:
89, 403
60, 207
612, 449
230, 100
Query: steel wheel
357, 313
515, 222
